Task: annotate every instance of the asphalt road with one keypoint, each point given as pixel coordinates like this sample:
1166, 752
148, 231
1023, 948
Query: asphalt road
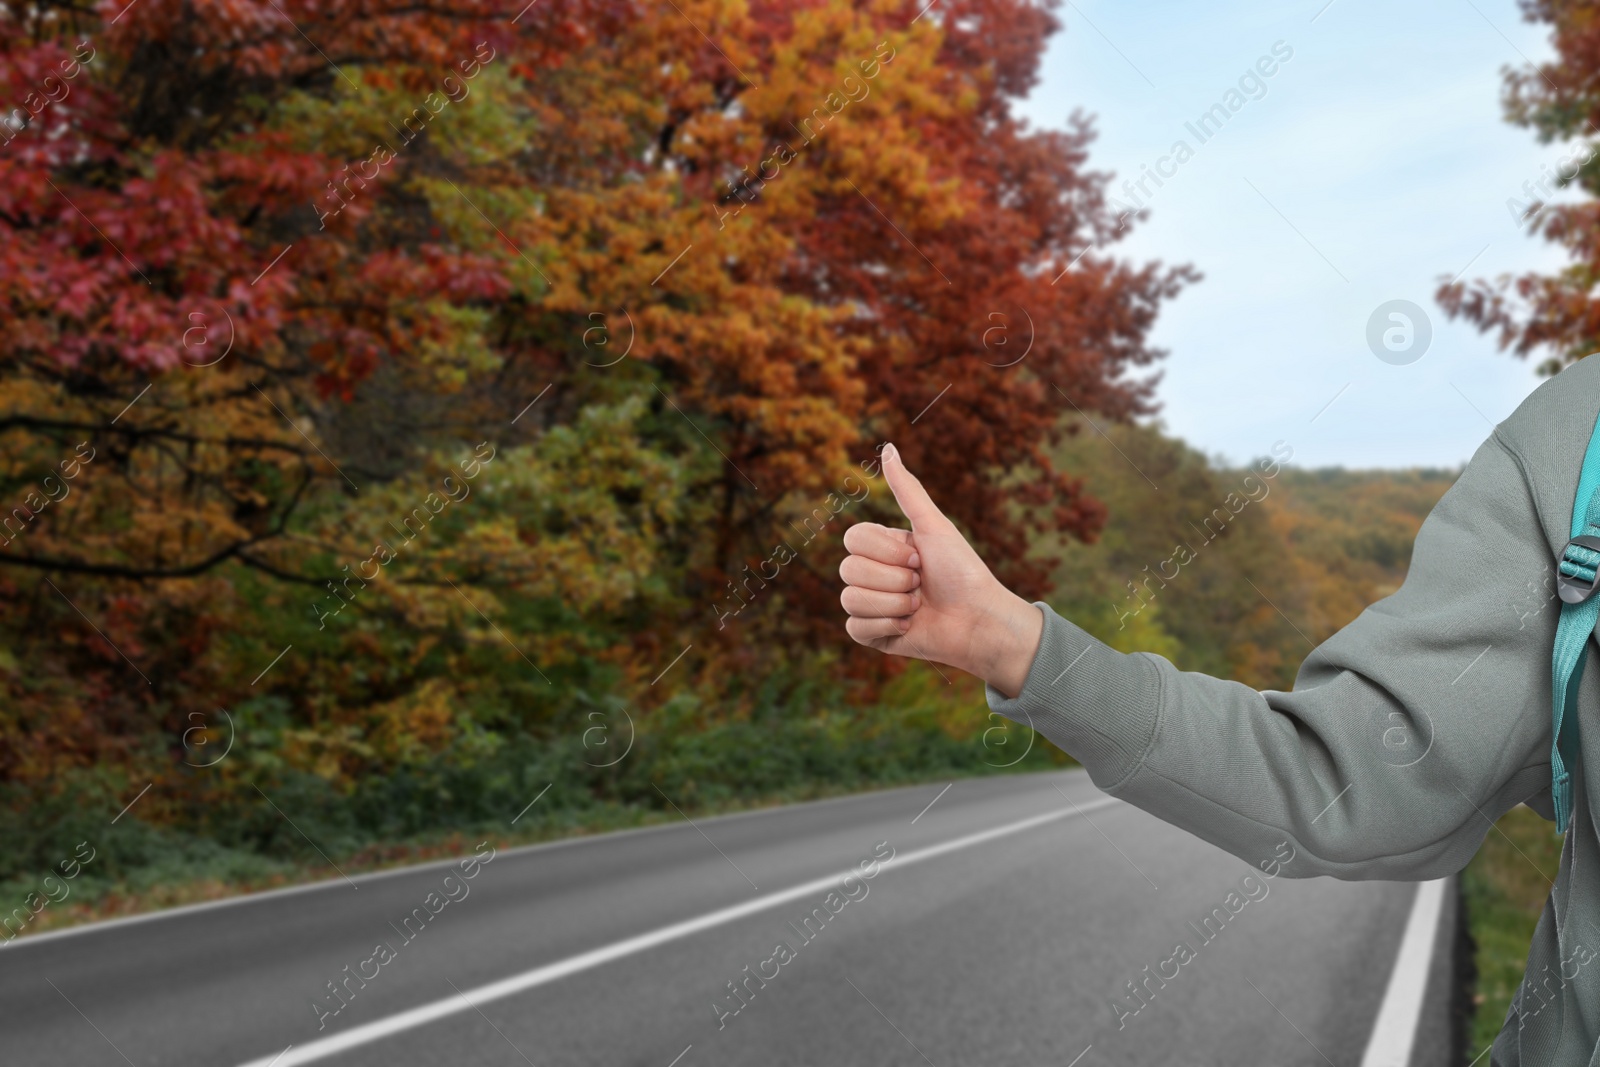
1001, 933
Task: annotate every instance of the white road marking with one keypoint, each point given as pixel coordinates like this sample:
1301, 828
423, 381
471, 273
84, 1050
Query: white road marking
1396, 1029
423, 1014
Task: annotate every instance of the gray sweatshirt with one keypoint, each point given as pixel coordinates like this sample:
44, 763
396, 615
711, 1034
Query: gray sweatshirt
1407, 733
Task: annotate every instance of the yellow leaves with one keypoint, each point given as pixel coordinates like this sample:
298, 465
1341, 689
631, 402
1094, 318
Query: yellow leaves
841, 88
575, 523
332, 752
407, 729
563, 517
462, 355
378, 737
611, 244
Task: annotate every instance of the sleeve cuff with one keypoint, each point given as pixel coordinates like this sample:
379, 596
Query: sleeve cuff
1099, 705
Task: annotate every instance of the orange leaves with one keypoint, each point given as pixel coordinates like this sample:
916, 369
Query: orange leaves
810, 215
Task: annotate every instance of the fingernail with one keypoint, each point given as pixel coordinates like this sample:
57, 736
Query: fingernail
903, 623
890, 452
916, 579
914, 561
915, 600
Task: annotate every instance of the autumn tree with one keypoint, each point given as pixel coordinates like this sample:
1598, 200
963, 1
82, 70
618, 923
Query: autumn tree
1560, 101
275, 274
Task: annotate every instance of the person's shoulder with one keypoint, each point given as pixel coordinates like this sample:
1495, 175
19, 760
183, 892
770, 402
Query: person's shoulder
1561, 408
1548, 433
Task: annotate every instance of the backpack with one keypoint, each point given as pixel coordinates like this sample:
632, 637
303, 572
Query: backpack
1576, 571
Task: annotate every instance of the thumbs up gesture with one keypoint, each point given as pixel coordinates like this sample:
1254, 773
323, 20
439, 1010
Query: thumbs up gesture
924, 593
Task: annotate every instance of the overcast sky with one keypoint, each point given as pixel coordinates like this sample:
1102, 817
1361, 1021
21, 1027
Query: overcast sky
1374, 161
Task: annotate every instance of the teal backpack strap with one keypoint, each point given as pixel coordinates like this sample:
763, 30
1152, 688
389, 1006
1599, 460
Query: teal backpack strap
1576, 582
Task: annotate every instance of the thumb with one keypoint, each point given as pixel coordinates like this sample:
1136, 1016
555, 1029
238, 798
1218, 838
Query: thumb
908, 492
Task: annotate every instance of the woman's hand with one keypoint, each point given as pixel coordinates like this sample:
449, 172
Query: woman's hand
924, 593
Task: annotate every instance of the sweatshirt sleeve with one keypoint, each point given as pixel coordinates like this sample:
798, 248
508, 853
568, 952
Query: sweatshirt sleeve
1406, 734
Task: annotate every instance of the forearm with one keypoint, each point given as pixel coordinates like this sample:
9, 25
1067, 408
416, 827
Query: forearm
1006, 642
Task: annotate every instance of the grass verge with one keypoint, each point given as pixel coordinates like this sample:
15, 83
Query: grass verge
1504, 888
191, 872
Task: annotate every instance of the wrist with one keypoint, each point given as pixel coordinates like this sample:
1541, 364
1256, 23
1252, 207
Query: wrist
1008, 640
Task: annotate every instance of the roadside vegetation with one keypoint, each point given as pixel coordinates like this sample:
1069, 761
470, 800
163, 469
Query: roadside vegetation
528, 791
1504, 888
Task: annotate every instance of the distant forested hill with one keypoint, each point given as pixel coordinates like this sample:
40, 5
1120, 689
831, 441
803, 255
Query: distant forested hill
1234, 572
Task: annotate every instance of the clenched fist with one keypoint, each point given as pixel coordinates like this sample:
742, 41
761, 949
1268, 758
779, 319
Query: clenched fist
924, 593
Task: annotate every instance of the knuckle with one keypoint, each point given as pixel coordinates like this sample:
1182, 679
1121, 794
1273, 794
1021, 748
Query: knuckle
862, 533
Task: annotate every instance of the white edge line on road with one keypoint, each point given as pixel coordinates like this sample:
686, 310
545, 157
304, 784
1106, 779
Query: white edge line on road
1396, 1029
264, 895
583, 961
